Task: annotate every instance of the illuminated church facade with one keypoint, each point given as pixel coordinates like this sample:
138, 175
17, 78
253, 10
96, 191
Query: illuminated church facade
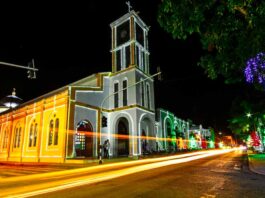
73, 121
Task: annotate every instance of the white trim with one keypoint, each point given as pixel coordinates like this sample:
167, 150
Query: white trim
165, 129
50, 109
145, 110
45, 156
84, 107
88, 91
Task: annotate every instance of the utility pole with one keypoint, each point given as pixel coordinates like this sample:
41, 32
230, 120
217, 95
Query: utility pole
31, 68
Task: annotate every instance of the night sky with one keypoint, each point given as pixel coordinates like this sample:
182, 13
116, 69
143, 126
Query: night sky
70, 41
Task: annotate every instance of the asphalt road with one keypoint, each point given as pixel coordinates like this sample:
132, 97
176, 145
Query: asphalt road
224, 175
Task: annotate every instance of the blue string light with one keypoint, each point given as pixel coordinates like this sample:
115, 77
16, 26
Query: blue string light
255, 69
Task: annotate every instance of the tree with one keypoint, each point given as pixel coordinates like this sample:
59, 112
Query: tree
247, 116
231, 32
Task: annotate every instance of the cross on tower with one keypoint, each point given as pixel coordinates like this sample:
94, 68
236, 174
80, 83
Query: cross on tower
129, 5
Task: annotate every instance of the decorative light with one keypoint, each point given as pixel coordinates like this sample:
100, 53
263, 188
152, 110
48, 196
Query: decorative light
255, 69
211, 144
249, 115
193, 143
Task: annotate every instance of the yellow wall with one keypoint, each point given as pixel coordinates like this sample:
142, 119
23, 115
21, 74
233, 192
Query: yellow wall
37, 114
4, 126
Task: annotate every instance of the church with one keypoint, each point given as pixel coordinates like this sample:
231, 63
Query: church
73, 121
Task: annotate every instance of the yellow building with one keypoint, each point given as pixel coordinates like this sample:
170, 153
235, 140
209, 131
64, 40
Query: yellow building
42, 130
36, 131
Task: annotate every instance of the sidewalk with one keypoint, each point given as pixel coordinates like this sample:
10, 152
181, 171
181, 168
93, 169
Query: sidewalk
73, 163
256, 163
85, 162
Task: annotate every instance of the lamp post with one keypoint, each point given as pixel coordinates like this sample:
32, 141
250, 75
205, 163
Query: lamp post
110, 95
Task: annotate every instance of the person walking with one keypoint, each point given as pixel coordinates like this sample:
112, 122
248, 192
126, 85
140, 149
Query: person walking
106, 147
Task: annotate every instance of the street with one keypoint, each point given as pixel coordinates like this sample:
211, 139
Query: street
225, 175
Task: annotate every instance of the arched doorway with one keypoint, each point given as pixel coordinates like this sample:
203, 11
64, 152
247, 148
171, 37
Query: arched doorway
123, 137
148, 143
144, 142
84, 139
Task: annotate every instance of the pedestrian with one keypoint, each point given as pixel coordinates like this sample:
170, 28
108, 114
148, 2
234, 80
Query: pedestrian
144, 146
106, 147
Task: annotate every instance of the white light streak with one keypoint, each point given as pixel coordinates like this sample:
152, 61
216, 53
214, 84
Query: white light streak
104, 176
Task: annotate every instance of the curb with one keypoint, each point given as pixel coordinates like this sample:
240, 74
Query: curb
252, 169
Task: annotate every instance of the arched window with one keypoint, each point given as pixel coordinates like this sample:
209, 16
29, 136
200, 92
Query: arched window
116, 95
31, 135
50, 133
56, 131
124, 93
17, 137
5, 139
84, 139
168, 128
35, 135
148, 95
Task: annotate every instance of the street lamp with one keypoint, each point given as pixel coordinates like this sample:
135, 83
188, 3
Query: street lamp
31, 68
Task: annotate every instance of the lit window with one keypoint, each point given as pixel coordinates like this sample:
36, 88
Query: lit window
17, 137
35, 135
50, 133
168, 129
5, 139
56, 132
30, 135
53, 132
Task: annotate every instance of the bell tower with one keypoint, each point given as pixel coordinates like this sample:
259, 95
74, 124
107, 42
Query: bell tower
129, 43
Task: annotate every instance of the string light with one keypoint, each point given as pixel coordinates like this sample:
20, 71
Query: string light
255, 69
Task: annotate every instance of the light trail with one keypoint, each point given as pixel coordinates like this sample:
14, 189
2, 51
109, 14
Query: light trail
100, 177
122, 136
101, 167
